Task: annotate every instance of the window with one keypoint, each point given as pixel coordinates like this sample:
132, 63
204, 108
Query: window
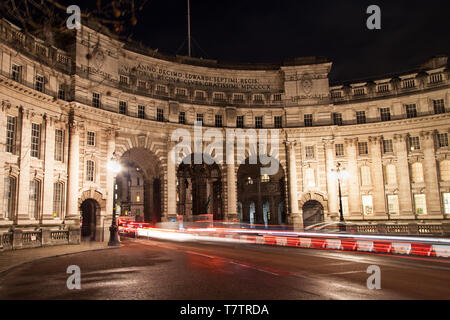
444, 169
278, 121
362, 148
59, 145
58, 199
310, 178
218, 120
359, 91
365, 176
182, 118
258, 122
388, 146
34, 196
439, 106
200, 95
436, 77
417, 172
90, 168
123, 80
160, 89
385, 114
446, 199
142, 84
360, 117
61, 92
160, 115
420, 204
16, 73
337, 119
309, 152
219, 96
258, 98
96, 100
35, 140
240, 122
39, 83
141, 112
91, 138
367, 204
409, 83
336, 94
391, 174
414, 143
383, 87
339, 150
122, 107
11, 134
411, 111
392, 201
277, 97
138, 197
180, 92
9, 197
238, 97
308, 120
443, 140
200, 118
265, 178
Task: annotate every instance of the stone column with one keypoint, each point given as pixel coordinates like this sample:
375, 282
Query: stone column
403, 176
379, 202
231, 192
73, 174
431, 175
297, 218
2, 159
49, 158
23, 186
110, 184
208, 196
354, 195
171, 184
332, 183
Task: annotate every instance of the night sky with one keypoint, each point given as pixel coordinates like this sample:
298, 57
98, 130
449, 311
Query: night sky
273, 31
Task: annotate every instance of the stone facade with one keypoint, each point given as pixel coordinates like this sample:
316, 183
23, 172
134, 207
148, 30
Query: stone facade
66, 113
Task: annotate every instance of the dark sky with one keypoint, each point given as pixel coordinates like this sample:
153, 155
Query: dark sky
273, 31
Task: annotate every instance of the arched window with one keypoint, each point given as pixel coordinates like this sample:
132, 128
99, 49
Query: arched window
391, 174
365, 176
90, 169
417, 172
9, 197
34, 196
58, 199
444, 168
310, 177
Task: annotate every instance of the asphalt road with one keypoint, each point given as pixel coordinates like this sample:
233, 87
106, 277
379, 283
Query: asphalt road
149, 269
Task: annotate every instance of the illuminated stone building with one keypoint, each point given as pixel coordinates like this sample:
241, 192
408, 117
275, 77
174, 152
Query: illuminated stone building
68, 110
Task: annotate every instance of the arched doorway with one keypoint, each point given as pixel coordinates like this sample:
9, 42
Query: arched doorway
199, 190
312, 213
89, 209
262, 196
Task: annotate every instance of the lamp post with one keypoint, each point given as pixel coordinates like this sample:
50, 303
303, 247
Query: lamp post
114, 167
339, 172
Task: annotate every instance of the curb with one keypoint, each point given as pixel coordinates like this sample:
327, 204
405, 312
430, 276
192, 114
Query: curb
5, 270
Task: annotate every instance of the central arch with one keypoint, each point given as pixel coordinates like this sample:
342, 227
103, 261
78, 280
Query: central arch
313, 213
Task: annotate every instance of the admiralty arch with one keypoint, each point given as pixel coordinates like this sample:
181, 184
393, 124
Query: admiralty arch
67, 110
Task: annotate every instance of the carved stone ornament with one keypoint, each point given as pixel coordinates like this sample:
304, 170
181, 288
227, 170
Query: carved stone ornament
307, 83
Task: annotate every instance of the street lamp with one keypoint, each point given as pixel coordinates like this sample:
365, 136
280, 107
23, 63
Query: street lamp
340, 175
114, 167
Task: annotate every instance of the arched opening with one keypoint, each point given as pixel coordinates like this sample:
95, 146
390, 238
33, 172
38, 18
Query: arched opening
89, 210
262, 197
199, 190
313, 213
138, 186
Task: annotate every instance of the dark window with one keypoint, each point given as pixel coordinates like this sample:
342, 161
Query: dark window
218, 121
278, 120
308, 120
160, 115
122, 107
182, 118
91, 138
414, 143
35, 139
385, 114
337, 119
411, 111
439, 106
240, 122
59, 145
360, 117
39, 83
443, 140
339, 150
309, 152
16, 73
11, 134
362, 148
61, 93
141, 112
388, 146
200, 118
96, 100
258, 122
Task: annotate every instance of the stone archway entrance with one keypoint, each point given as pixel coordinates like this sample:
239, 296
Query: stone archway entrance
89, 210
313, 213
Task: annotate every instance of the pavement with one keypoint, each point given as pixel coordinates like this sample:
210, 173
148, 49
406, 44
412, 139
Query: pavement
13, 258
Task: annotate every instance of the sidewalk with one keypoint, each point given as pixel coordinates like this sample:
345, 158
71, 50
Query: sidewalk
13, 258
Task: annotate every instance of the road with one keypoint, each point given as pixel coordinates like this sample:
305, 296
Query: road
149, 269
